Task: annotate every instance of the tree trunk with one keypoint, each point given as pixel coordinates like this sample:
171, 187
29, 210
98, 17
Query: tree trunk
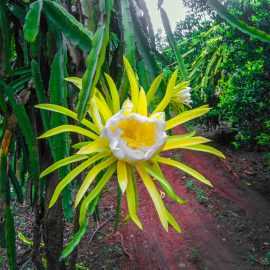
53, 227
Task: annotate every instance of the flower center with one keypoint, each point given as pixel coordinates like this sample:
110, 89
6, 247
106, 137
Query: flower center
137, 134
133, 137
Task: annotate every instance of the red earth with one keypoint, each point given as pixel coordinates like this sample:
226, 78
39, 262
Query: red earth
221, 234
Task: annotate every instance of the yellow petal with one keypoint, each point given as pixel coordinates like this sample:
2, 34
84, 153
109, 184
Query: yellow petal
72, 174
76, 81
114, 94
156, 172
134, 86
100, 96
158, 116
95, 115
67, 112
90, 177
94, 146
68, 128
80, 144
173, 222
103, 108
122, 175
132, 194
127, 107
205, 148
61, 163
173, 143
186, 116
94, 193
168, 95
153, 88
142, 104
154, 194
184, 168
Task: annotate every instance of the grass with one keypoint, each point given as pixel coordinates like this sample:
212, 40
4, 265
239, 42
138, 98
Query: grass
194, 254
200, 194
262, 260
178, 157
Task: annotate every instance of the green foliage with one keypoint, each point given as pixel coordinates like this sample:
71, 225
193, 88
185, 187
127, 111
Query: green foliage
75, 241
173, 44
230, 70
126, 25
245, 102
10, 237
95, 59
201, 195
242, 26
144, 48
260, 260
31, 27
194, 254
72, 29
26, 129
61, 143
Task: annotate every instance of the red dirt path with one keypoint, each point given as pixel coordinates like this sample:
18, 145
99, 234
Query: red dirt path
224, 232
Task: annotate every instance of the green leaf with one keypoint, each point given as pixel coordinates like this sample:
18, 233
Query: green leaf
61, 143
118, 207
3, 105
16, 185
20, 71
76, 81
147, 22
143, 46
10, 237
26, 130
40, 93
173, 44
5, 32
209, 66
234, 21
32, 20
143, 76
18, 84
18, 12
94, 61
185, 135
4, 188
72, 29
129, 43
75, 241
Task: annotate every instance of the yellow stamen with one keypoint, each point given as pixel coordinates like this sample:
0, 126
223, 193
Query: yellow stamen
137, 134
